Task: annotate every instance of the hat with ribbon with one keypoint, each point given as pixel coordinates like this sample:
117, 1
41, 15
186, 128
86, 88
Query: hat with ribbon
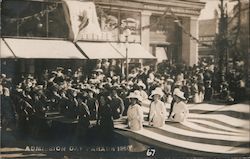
141, 84
179, 93
98, 70
59, 68
3, 75
170, 80
157, 91
30, 77
135, 96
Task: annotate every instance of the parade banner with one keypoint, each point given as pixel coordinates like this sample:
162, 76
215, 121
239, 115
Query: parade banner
82, 19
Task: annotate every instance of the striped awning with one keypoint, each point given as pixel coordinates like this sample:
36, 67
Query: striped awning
209, 130
44, 49
5, 51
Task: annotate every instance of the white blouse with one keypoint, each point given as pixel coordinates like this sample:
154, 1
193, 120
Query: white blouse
157, 113
180, 112
135, 117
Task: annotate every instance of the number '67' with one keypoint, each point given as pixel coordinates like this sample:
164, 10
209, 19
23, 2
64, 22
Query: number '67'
150, 152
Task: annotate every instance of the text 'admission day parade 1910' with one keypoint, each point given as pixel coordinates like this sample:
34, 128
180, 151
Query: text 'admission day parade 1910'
121, 79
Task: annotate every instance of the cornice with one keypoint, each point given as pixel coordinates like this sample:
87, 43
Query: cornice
156, 6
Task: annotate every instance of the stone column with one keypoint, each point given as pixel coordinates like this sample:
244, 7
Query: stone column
145, 33
189, 46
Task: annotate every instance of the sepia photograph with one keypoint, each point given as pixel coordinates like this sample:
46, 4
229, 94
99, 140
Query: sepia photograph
122, 79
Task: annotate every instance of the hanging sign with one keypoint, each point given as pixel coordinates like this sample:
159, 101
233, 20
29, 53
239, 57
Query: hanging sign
83, 20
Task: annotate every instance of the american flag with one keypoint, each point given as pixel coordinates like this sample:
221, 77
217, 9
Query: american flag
209, 130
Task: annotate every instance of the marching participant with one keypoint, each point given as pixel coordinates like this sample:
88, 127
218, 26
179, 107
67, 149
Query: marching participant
180, 110
142, 87
116, 104
92, 103
135, 113
157, 113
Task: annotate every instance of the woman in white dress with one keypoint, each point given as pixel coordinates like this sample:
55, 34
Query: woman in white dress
142, 87
195, 92
157, 113
135, 113
180, 110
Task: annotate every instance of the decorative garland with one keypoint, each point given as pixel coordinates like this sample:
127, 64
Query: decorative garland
168, 10
20, 21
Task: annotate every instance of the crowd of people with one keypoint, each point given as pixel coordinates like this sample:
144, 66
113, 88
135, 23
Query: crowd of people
105, 95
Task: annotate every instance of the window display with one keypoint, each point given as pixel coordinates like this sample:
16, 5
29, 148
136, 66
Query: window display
33, 19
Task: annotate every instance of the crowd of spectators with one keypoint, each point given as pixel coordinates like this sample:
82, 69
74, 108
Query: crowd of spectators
102, 95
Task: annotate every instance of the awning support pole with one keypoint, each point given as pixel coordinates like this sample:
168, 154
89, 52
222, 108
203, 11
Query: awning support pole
126, 63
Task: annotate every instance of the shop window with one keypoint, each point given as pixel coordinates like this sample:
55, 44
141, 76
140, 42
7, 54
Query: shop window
130, 20
163, 29
109, 22
114, 22
33, 19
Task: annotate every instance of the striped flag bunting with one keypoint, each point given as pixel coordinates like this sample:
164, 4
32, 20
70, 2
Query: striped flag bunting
209, 130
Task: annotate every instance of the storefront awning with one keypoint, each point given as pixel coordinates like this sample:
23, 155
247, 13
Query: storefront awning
99, 50
135, 51
44, 49
5, 52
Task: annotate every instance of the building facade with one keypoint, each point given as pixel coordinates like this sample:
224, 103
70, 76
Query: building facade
156, 25
160, 26
208, 30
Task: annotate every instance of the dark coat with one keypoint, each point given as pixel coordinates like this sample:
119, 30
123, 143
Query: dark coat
117, 107
92, 105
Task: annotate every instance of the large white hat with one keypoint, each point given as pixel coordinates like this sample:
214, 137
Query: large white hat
158, 91
3, 75
141, 84
134, 95
179, 93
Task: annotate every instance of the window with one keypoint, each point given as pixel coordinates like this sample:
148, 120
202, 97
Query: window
114, 22
33, 19
109, 22
132, 21
163, 29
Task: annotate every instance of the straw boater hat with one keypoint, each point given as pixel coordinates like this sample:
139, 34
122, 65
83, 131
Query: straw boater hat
3, 75
30, 77
134, 95
114, 78
179, 93
59, 68
54, 72
170, 80
39, 87
141, 84
158, 91
98, 70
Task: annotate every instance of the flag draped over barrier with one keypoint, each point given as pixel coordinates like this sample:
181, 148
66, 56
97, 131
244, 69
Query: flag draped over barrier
209, 130
82, 19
